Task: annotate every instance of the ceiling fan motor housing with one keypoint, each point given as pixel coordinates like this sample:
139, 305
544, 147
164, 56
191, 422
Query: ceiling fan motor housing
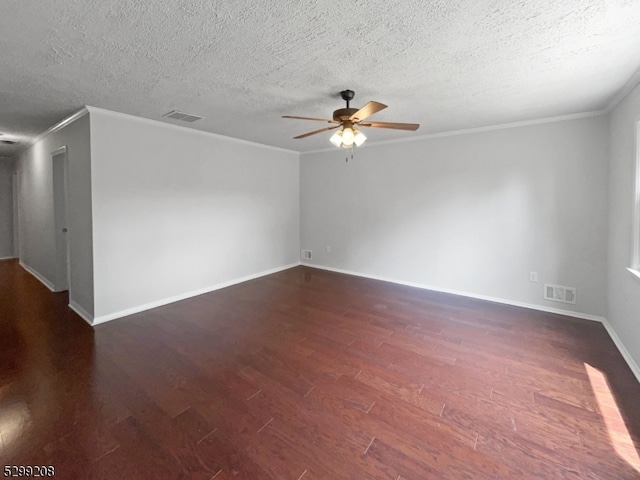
344, 113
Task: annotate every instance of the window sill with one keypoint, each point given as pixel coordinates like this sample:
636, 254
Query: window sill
635, 273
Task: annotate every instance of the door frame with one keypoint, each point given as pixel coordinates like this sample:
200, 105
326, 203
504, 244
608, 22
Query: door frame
16, 224
61, 218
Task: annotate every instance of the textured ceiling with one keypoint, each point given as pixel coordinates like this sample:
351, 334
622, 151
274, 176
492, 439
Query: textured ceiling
447, 64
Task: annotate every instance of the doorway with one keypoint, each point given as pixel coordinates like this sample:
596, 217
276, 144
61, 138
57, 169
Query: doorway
16, 240
61, 218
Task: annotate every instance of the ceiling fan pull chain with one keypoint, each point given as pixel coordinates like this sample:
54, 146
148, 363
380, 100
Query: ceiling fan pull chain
346, 157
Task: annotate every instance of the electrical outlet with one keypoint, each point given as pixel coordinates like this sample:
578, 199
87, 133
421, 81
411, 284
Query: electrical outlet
533, 276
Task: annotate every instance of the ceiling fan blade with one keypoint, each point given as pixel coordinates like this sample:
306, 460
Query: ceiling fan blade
394, 125
311, 118
368, 110
317, 131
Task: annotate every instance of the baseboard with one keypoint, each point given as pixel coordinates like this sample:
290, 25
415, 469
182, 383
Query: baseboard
7, 258
612, 333
165, 301
36, 274
86, 316
532, 306
623, 350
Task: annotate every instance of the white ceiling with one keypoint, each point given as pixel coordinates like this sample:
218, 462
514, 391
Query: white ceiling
446, 64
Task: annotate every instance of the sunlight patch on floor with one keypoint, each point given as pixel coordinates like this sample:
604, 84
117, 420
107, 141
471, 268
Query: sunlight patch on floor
617, 429
15, 424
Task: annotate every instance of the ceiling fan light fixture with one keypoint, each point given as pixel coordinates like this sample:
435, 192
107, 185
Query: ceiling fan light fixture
336, 138
359, 137
348, 137
347, 120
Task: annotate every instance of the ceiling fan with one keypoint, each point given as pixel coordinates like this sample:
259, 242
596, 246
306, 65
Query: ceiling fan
350, 119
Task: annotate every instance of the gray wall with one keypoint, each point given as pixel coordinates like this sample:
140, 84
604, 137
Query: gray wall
623, 288
6, 208
178, 212
37, 235
471, 213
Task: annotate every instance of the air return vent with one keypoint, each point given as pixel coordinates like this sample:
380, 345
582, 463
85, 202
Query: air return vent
184, 117
558, 293
306, 254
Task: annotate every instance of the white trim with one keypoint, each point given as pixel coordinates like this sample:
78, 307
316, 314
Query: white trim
626, 89
467, 131
39, 276
15, 197
623, 350
8, 258
59, 151
86, 316
62, 151
569, 313
184, 128
560, 118
158, 303
60, 125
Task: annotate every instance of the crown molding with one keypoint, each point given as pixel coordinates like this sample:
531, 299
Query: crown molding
467, 131
60, 125
150, 121
628, 87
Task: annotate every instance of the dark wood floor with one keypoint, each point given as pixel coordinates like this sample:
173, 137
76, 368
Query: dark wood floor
307, 374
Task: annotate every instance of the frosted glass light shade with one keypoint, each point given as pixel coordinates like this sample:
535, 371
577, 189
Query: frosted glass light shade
336, 138
359, 138
347, 137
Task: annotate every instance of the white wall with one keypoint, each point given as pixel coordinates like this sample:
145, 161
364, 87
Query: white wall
471, 213
35, 202
623, 290
6, 208
177, 211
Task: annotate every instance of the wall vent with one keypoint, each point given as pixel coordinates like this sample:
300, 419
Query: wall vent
306, 254
558, 293
184, 117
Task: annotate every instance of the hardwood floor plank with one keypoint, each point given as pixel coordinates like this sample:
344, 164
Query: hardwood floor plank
235, 460
308, 374
414, 422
